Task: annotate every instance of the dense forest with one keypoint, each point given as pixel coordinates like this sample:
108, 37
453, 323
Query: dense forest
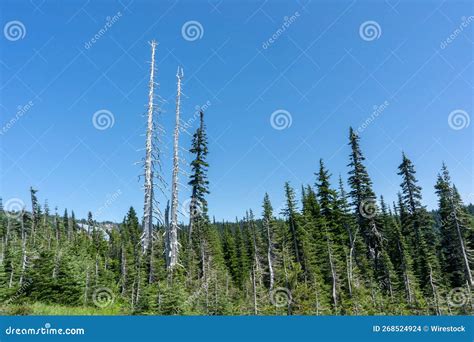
337, 250
331, 252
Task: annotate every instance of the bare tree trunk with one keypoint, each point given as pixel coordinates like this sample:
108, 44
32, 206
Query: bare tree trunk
406, 278
23, 248
57, 260
123, 272
148, 204
269, 254
86, 289
467, 268
2, 254
352, 240
10, 282
254, 288
132, 299
137, 291
333, 276
172, 240
7, 236
435, 292
205, 276
96, 269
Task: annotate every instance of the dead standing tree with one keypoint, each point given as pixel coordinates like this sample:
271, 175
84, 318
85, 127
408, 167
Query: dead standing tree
172, 246
152, 168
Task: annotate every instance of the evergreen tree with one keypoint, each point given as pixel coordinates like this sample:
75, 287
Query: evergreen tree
363, 200
418, 230
454, 229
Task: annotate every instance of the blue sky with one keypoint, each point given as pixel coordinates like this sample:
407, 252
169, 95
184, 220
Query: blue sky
322, 71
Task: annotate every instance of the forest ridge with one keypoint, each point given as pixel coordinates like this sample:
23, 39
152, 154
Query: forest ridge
335, 252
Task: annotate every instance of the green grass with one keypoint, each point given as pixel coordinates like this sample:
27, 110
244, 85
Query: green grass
58, 310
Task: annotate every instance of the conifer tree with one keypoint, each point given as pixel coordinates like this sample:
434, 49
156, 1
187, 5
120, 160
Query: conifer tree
363, 200
417, 227
454, 229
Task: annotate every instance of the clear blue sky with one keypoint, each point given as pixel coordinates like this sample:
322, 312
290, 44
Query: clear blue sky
319, 69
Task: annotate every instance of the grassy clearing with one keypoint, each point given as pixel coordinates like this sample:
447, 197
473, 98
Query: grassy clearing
58, 310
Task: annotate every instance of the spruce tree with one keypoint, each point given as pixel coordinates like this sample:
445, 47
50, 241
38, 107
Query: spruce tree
366, 209
454, 228
418, 230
